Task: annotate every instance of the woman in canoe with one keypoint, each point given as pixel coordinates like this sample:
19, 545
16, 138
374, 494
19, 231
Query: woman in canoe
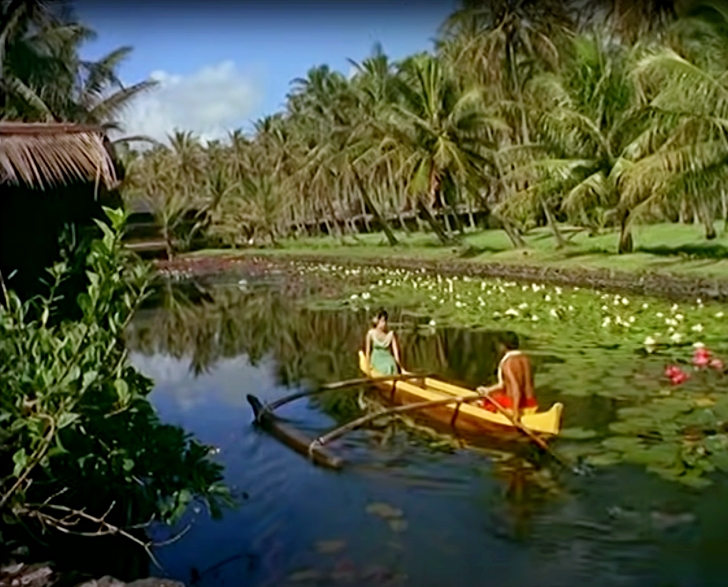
382, 348
514, 390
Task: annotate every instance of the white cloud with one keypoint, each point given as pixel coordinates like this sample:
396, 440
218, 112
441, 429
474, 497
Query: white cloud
209, 102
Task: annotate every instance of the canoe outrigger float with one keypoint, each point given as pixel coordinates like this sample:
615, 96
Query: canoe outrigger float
462, 416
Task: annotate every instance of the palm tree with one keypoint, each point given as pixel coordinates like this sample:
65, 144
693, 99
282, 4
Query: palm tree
438, 135
506, 42
591, 127
688, 98
43, 77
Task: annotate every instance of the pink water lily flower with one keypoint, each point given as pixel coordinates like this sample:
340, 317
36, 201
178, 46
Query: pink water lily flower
701, 358
676, 374
717, 364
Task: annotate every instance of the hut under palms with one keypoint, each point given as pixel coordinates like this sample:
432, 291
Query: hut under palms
54, 180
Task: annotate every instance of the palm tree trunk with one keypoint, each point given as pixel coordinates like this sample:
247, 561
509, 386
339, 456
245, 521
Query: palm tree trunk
626, 243
402, 223
434, 181
434, 224
471, 216
707, 219
513, 233
365, 214
375, 211
551, 221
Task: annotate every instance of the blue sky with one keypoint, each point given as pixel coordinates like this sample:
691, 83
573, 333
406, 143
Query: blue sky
222, 66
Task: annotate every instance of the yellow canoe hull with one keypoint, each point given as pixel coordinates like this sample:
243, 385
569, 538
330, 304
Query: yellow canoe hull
468, 418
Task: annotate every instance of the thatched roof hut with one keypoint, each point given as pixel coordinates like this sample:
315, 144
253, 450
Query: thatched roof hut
44, 155
52, 176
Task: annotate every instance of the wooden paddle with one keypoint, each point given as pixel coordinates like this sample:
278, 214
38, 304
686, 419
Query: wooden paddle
341, 385
538, 440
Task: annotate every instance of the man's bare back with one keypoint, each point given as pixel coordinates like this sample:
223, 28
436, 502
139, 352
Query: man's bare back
518, 378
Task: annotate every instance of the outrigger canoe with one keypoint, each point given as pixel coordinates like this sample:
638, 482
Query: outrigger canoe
467, 417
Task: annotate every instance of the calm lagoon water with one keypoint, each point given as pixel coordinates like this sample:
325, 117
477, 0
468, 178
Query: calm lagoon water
409, 509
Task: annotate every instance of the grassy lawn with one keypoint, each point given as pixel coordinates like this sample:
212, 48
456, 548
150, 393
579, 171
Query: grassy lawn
676, 249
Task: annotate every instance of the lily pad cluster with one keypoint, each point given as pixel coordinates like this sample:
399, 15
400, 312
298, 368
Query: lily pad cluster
670, 407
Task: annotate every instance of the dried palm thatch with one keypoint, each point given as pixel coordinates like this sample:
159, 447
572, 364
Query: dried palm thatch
43, 155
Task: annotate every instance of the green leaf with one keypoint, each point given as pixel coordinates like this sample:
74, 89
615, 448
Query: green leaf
623, 443
604, 460
122, 390
66, 419
89, 377
577, 434
21, 460
128, 465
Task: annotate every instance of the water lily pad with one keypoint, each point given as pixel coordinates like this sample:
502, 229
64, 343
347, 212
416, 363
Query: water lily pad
330, 546
623, 443
604, 460
664, 454
305, 575
398, 525
695, 479
665, 521
384, 510
577, 433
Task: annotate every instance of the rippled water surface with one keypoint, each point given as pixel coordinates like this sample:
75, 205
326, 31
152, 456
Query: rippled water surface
412, 507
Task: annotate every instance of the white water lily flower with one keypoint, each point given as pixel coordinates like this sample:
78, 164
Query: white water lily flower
547, 298
605, 309
719, 315
698, 345
511, 312
558, 290
697, 328
673, 309
700, 302
625, 302
677, 337
649, 341
432, 323
554, 313
571, 308
659, 315
523, 306
645, 306
354, 297
631, 319
607, 321
679, 317
534, 318
366, 295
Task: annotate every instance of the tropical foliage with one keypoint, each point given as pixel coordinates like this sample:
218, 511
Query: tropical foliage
43, 76
83, 451
526, 113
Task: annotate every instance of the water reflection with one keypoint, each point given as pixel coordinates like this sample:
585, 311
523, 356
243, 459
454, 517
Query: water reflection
488, 512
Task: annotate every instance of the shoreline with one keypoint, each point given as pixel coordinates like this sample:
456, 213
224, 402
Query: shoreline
651, 284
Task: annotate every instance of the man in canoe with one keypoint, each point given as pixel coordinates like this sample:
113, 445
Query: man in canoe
514, 390
382, 348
